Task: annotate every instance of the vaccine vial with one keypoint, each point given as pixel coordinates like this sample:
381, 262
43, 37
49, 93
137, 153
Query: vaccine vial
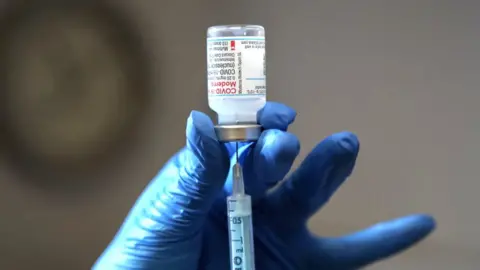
236, 70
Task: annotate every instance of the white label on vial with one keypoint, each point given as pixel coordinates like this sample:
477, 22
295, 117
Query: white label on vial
236, 66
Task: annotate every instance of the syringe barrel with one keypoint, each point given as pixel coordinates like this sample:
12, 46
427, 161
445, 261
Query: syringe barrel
236, 70
242, 253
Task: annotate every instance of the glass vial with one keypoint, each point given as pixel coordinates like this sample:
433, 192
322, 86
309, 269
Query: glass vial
236, 70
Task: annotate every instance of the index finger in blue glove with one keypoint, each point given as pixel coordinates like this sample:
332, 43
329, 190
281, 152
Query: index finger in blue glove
272, 156
375, 243
275, 151
269, 161
273, 115
276, 115
321, 173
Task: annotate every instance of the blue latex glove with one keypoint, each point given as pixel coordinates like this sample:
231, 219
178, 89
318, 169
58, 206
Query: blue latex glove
179, 222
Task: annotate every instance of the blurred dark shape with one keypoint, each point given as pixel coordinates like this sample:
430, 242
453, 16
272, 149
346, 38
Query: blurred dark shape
74, 83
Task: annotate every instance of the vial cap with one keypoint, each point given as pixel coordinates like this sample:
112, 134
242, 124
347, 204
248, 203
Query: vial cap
238, 133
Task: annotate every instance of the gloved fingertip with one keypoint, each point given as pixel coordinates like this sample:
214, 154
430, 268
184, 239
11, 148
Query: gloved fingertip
278, 145
379, 241
200, 124
338, 151
202, 140
276, 115
418, 224
347, 142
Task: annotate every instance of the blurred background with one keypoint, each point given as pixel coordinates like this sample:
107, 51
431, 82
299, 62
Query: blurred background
94, 98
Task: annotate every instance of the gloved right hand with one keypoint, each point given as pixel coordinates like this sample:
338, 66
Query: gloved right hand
180, 222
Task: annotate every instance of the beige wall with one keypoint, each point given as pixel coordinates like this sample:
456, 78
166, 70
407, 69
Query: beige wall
404, 75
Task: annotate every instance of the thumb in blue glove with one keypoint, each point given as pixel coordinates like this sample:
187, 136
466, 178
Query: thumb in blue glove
164, 228
179, 222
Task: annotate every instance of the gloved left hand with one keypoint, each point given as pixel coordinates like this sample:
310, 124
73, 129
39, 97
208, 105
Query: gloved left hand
179, 222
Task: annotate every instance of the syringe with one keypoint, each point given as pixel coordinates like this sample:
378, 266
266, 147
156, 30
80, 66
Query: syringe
239, 207
236, 70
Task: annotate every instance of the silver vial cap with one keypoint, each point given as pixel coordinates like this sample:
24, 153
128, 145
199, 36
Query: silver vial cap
238, 133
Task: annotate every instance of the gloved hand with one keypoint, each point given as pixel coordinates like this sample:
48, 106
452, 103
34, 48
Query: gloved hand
180, 223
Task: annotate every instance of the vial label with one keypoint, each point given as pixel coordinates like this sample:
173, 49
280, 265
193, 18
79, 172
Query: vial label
236, 66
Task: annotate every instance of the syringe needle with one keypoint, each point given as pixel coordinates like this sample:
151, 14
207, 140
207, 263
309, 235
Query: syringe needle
238, 185
236, 151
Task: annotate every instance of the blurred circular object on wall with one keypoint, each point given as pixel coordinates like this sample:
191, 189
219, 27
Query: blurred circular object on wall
73, 83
